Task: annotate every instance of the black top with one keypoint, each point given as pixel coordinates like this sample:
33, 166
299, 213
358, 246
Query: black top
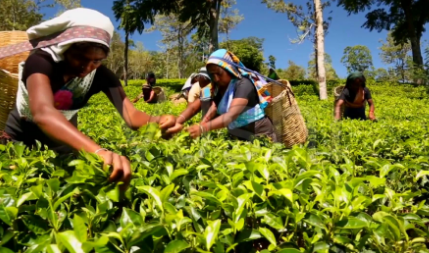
350, 96
244, 88
42, 62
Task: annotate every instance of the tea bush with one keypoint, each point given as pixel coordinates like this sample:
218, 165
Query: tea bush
355, 186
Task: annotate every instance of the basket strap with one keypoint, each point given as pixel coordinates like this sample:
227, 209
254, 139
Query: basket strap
56, 38
254, 72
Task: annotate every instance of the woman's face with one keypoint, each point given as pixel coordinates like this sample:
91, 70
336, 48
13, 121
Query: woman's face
218, 75
83, 62
356, 84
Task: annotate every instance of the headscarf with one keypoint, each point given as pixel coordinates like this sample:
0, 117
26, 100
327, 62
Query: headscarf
231, 63
353, 76
55, 36
69, 19
203, 72
359, 100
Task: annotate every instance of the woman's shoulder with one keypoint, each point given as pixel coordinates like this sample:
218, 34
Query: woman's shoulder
39, 61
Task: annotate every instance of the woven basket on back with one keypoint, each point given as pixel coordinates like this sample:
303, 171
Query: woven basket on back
8, 90
9, 38
285, 114
337, 94
160, 94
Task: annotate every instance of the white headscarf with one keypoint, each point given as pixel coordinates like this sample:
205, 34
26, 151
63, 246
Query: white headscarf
71, 18
68, 19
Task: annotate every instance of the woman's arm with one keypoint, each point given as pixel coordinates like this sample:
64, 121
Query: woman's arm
338, 109
190, 111
211, 113
236, 108
50, 120
371, 109
59, 129
152, 95
133, 117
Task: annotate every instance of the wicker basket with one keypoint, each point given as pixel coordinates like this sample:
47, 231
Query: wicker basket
9, 38
337, 94
8, 90
160, 94
285, 114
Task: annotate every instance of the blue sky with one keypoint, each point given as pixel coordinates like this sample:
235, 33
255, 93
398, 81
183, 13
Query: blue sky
277, 31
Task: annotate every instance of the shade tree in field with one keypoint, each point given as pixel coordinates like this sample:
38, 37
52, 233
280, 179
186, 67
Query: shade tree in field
357, 58
293, 72
309, 21
229, 18
248, 50
406, 20
331, 74
396, 54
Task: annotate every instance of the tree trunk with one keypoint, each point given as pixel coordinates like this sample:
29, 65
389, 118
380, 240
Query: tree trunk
414, 38
214, 21
320, 45
126, 58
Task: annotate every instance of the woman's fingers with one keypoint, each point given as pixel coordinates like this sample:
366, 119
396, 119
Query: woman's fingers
175, 129
121, 168
126, 173
117, 172
167, 121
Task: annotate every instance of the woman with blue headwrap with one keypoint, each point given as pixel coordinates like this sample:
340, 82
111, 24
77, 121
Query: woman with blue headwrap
238, 105
353, 98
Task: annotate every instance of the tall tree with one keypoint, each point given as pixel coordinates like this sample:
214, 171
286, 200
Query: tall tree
357, 58
331, 74
406, 18
115, 60
249, 50
204, 16
135, 13
19, 14
294, 72
67, 5
229, 18
272, 61
396, 54
174, 33
309, 21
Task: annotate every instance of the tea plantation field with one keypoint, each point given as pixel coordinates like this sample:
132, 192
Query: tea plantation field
353, 187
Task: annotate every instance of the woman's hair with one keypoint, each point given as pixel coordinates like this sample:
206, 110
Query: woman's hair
352, 78
87, 45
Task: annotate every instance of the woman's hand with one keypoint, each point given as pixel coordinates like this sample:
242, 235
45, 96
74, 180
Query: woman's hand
196, 130
167, 121
175, 129
121, 167
372, 116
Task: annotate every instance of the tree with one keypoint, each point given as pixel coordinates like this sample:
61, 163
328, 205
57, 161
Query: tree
357, 58
308, 23
174, 33
405, 18
203, 16
331, 74
67, 5
19, 14
135, 13
272, 62
229, 19
115, 60
294, 72
396, 54
248, 50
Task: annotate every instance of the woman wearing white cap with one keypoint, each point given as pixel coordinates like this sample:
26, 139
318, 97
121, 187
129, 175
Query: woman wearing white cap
60, 76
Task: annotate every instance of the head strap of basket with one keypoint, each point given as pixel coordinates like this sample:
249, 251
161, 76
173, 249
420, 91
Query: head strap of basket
55, 36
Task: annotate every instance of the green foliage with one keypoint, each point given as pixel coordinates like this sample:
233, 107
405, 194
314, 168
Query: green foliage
293, 72
330, 72
354, 187
357, 58
248, 50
